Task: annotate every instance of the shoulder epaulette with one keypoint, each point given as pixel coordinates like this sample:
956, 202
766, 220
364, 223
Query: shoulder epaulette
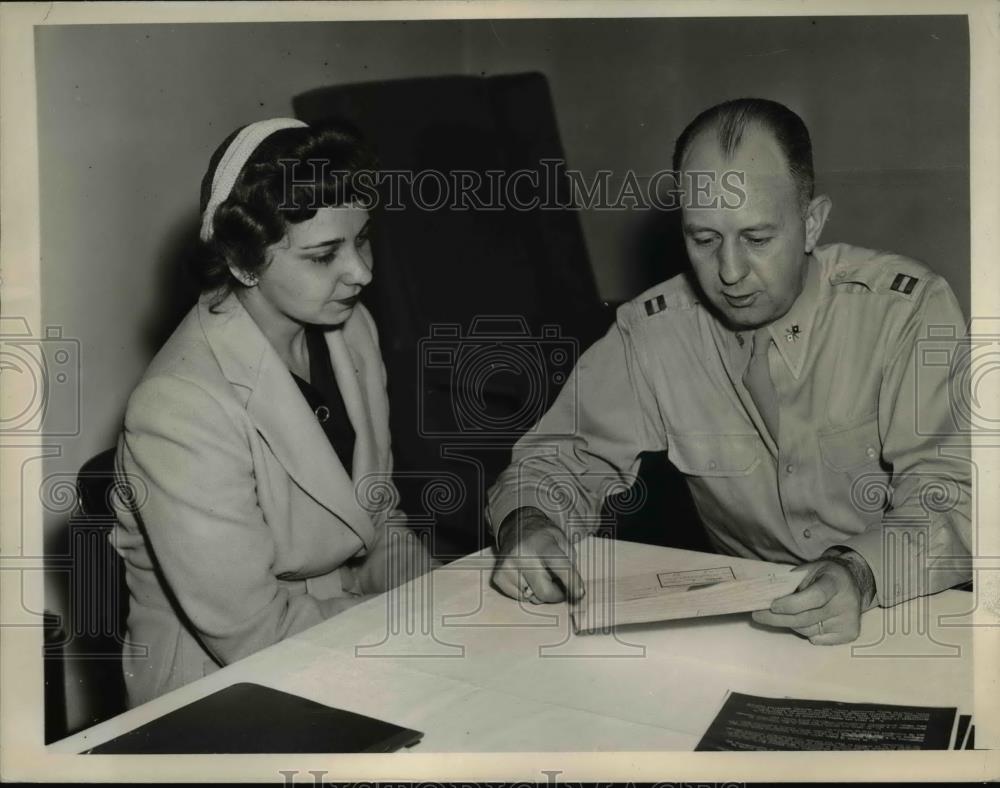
655, 305
883, 273
904, 283
674, 294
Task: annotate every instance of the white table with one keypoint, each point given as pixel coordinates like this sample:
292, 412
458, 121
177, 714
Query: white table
478, 672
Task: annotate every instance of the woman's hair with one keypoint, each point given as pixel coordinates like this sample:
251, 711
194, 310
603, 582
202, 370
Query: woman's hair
291, 174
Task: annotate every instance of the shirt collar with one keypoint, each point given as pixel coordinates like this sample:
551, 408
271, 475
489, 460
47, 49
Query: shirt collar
793, 333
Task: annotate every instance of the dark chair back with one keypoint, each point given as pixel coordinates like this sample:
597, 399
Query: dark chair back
103, 596
481, 312
91, 635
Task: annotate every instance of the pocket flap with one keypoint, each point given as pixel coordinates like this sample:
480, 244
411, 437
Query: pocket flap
843, 449
714, 455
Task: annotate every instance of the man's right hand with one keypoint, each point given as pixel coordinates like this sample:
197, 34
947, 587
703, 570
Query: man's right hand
535, 560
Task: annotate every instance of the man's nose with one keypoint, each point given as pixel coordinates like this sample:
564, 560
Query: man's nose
732, 266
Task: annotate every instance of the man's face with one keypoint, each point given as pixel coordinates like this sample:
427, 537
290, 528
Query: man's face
749, 260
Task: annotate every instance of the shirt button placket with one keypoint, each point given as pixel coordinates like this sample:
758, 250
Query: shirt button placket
793, 496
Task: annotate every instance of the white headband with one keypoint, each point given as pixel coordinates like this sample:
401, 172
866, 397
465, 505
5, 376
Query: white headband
232, 162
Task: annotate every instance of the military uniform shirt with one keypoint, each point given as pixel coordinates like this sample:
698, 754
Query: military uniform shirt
867, 454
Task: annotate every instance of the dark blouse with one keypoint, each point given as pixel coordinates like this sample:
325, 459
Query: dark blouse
323, 396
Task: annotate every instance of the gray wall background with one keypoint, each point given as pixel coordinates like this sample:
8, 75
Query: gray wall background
128, 116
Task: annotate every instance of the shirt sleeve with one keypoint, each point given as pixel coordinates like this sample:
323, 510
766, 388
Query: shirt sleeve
923, 544
198, 509
587, 445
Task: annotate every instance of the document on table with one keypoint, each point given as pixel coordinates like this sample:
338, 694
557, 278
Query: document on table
663, 596
251, 718
747, 722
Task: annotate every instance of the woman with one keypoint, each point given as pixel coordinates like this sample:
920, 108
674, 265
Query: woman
245, 442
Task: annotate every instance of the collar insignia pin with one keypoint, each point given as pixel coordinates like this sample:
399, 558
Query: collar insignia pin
793, 333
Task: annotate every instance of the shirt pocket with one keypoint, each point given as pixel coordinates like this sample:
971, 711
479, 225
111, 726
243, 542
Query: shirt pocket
714, 455
851, 448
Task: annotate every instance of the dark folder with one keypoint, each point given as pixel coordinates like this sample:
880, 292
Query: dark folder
249, 718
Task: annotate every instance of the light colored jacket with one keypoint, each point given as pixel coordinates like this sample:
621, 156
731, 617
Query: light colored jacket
244, 519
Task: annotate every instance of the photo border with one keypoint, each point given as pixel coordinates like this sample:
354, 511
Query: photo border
24, 757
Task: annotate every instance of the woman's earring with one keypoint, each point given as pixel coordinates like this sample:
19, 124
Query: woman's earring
245, 278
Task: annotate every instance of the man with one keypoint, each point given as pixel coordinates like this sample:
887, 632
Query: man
781, 378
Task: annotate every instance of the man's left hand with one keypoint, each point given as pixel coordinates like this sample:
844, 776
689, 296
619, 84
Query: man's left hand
826, 607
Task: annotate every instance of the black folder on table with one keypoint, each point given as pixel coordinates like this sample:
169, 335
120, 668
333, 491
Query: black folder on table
250, 718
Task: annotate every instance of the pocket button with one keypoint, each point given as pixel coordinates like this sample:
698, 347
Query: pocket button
807, 533
870, 451
713, 465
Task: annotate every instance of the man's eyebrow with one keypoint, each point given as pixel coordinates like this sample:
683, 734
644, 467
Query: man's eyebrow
753, 228
697, 228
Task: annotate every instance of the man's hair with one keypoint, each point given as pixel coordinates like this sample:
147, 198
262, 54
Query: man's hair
731, 119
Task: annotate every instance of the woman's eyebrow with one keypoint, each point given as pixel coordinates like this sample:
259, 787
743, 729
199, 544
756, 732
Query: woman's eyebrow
323, 243
334, 241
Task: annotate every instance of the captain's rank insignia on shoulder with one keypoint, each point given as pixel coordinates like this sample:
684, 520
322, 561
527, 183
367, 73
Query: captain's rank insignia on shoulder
655, 305
904, 284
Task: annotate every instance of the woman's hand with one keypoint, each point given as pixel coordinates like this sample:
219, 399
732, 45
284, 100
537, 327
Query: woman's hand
396, 558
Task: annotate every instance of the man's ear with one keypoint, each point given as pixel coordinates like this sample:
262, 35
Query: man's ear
816, 215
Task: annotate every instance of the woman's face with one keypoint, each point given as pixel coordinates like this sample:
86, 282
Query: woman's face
316, 272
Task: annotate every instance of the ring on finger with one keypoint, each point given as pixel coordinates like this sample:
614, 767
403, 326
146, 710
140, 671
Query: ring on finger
527, 592
820, 625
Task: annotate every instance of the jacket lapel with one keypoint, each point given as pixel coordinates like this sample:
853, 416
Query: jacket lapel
347, 370
281, 414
